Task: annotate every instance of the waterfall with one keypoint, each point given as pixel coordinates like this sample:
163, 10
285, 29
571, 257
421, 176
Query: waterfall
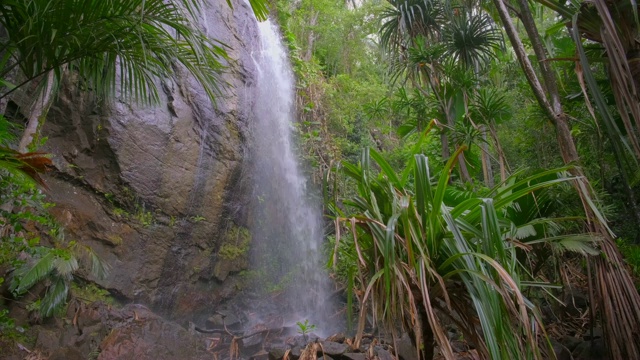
287, 225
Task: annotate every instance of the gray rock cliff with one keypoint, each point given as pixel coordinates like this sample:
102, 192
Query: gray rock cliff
157, 191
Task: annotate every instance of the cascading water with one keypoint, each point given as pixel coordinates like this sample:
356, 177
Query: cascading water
287, 226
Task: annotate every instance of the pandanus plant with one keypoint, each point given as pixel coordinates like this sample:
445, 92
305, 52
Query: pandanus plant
424, 257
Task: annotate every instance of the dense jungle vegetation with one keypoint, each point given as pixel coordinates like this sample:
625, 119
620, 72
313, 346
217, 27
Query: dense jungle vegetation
478, 159
499, 161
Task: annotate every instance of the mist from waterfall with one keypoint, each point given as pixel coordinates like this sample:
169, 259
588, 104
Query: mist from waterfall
287, 225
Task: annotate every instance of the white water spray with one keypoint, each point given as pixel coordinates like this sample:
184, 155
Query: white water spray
287, 226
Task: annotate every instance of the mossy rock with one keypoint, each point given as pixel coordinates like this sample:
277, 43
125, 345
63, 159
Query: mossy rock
233, 255
236, 243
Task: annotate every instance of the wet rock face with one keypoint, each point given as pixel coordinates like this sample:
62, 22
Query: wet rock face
155, 189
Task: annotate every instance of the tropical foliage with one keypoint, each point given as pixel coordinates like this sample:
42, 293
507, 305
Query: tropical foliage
425, 253
25, 249
425, 232
448, 70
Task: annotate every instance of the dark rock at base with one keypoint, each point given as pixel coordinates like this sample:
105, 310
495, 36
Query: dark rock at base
295, 352
325, 357
339, 338
354, 356
213, 321
406, 350
252, 343
334, 348
366, 341
597, 334
276, 353
383, 354
561, 351
260, 355
232, 321
66, 354
145, 335
591, 351
570, 342
576, 302
48, 340
133, 332
302, 340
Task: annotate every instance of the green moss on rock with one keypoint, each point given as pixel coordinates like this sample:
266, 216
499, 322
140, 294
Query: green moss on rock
236, 243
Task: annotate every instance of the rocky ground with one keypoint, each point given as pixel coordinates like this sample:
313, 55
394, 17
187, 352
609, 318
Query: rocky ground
100, 331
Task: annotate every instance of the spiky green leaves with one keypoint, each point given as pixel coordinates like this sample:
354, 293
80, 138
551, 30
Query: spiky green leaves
471, 38
424, 255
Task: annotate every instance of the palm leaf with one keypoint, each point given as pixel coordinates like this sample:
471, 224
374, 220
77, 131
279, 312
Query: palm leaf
99, 268
29, 274
471, 38
580, 243
260, 9
55, 297
29, 165
134, 41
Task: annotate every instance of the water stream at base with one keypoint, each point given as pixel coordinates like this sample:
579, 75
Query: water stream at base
287, 225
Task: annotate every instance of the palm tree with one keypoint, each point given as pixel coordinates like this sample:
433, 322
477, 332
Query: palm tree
109, 45
429, 42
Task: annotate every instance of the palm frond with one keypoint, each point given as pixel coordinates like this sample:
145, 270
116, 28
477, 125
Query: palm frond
55, 296
65, 263
404, 20
579, 243
116, 46
99, 268
30, 273
29, 165
471, 38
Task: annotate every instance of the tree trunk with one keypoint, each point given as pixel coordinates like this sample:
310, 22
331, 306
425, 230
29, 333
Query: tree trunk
38, 111
487, 173
312, 36
616, 295
464, 171
446, 153
8, 77
428, 340
502, 159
